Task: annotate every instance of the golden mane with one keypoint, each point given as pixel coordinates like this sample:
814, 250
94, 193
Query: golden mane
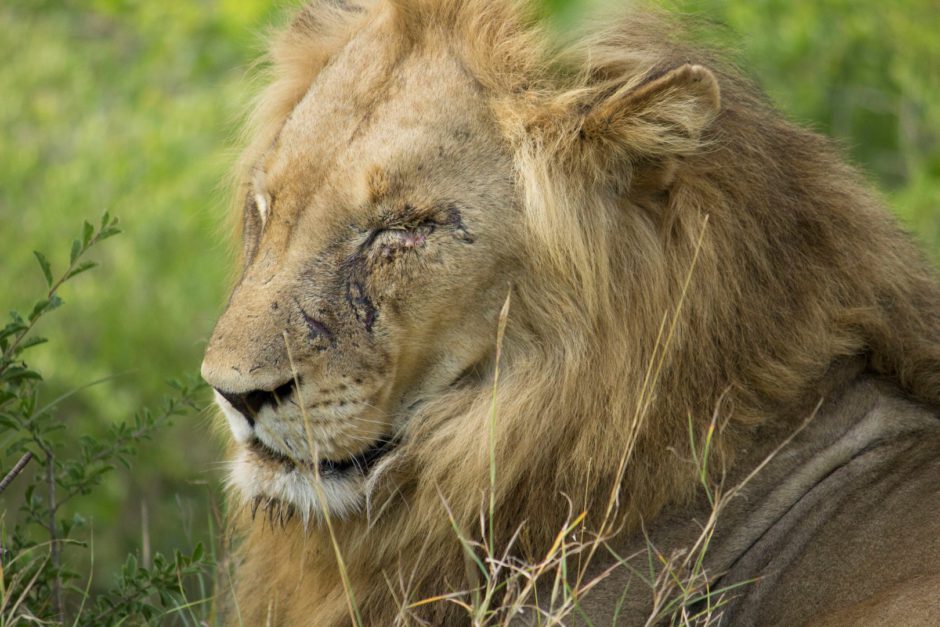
634, 322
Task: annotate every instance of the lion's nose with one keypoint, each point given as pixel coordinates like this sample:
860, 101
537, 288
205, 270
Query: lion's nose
248, 404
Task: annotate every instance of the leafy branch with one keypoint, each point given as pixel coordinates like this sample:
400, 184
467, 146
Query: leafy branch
14, 336
15, 376
131, 596
71, 468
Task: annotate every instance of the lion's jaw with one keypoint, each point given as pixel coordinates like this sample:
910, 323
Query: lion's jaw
303, 460
375, 268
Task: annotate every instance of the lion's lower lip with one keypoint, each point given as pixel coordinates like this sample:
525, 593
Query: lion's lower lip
361, 462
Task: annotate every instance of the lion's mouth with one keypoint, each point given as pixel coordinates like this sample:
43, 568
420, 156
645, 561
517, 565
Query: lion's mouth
360, 463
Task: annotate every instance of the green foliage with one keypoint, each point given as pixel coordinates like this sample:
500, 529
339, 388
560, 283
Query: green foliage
38, 580
145, 595
13, 337
129, 106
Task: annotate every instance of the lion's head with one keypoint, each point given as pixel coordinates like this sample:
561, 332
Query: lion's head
416, 162
380, 232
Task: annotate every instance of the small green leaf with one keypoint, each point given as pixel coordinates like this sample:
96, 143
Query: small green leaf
38, 308
18, 374
29, 343
44, 306
108, 232
12, 329
76, 251
82, 267
88, 231
46, 268
130, 566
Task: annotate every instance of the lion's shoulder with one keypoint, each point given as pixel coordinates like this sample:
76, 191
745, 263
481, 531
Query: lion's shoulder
850, 503
853, 507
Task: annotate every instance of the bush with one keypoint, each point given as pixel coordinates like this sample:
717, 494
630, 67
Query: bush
57, 468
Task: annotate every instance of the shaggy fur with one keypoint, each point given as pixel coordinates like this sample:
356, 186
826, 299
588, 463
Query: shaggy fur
621, 146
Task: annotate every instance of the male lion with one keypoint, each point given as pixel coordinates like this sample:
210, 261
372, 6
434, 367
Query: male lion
672, 267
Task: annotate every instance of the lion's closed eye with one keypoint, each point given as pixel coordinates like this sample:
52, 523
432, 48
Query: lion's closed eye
393, 241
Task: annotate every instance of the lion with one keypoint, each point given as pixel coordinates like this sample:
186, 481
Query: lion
496, 291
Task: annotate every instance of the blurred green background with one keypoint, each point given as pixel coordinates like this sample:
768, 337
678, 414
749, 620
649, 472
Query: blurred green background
133, 106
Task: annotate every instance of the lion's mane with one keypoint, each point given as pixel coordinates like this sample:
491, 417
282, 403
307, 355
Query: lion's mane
633, 321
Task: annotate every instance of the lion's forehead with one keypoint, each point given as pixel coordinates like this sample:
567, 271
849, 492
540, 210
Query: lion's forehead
359, 115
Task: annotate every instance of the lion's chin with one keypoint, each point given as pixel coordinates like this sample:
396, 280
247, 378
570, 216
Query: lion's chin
282, 490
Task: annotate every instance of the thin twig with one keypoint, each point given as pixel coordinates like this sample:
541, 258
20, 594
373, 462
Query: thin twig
17, 469
56, 552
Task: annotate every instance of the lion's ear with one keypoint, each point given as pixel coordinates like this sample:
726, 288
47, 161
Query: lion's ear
663, 115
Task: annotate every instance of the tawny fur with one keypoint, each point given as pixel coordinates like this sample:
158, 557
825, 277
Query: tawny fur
800, 266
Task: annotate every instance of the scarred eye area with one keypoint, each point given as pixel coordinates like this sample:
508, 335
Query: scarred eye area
395, 235
391, 242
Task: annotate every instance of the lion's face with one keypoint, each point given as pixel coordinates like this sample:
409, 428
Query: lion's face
377, 233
